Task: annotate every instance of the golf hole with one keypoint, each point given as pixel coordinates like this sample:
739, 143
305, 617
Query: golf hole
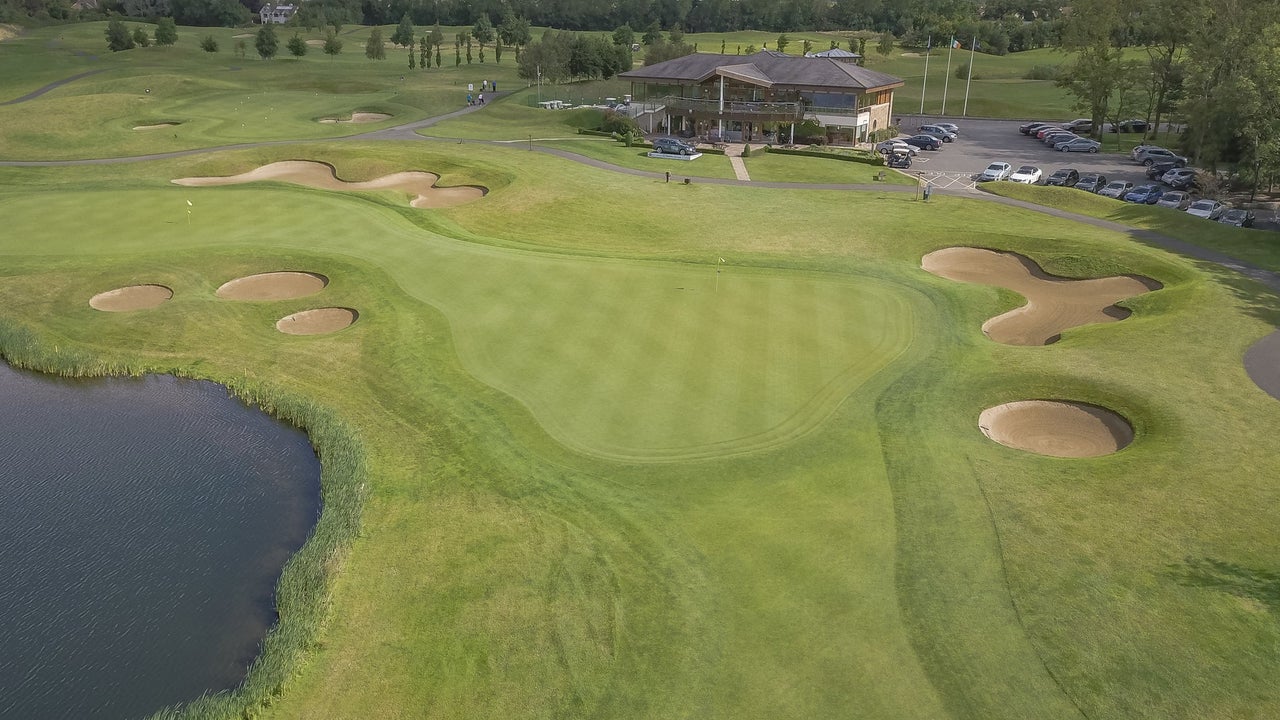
284, 285
317, 321
131, 297
1056, 428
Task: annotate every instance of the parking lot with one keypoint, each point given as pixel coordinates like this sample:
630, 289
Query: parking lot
983, 142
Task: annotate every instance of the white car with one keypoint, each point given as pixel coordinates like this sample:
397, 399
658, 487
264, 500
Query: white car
996, 171
1079, 145
1207, 209
1116, 189
1027, 174
896, 147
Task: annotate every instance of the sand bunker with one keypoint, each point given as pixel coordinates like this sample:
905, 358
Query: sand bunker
320, 175
132, 297
360, 117
1054, 304
273, 286
156, 126
317, 321
1056, 428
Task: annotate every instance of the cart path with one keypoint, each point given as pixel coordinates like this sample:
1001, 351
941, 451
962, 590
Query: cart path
53, 86
1262, 361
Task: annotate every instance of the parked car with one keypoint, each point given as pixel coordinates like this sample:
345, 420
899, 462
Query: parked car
672, 146
1041, 132
1063, 177
1079, 145
996, 171
1207, 209
1238, 218
950, 127
1116, 189
899, 160
896, 146
1054, 138
939, 132
925, 142
1153, 155
1137, 149
1031, 127
1092, 182
1176, 199
1179, 178
1081, 125
1144, 194
1134, 125
1027, 175
1155, 171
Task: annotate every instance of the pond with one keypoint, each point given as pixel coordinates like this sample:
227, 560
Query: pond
143, 526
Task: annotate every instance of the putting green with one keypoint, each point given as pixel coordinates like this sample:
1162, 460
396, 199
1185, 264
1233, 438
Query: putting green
621, 359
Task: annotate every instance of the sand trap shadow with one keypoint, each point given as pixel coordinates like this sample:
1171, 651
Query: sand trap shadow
284, 285
130, 298
1054, 304
157, 126
317, 321
357, 118
321, 175
1056, 428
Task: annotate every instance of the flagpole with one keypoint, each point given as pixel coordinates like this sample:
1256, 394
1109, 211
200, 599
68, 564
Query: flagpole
946, 79
972, 48
928, 47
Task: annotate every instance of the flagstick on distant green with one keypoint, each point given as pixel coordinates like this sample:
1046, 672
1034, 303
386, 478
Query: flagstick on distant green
718, 264
189, 206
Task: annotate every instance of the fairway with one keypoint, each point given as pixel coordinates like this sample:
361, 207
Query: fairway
596, 445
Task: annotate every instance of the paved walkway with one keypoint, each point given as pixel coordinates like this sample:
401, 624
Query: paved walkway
51, 86
734, 153
1263, 356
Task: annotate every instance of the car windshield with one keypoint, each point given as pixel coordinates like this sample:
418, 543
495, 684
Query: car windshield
1026, 170
1234, 214
1117, 185
996, 166
1202, 205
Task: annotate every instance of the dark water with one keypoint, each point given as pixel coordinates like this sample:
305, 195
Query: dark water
143, 525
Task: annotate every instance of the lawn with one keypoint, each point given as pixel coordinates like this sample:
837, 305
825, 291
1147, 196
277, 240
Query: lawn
638, 449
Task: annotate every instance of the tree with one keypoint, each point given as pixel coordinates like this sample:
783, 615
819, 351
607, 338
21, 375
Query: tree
209, 13
403, 36
722, 46
297, 46
373, 47
437, 56
332, 44
140, 37
652, 34
436, 38
457, 50
1092, 77
808, 46
466, 36
413, 59
885, 46
209, 44
118, 37
514, 31
783, 42
483, 33
166, 31
266, 42
424, 53
240, 48
624, 35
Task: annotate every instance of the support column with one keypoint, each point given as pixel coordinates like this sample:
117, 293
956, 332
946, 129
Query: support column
720, 120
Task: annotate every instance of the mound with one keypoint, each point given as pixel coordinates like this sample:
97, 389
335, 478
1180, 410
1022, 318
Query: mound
156, 126
322, 176
360, 117
273, 286
131, 297
1262, 362
1056, 428
1054, 304
318, 321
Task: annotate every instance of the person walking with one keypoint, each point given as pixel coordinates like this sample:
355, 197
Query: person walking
481, 98
469, 99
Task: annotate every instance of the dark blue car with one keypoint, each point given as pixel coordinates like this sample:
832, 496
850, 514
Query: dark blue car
1145, 194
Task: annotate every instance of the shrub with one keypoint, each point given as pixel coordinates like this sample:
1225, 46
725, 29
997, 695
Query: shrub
620, 123
962, 72
1041, 72
209, 44
746, 150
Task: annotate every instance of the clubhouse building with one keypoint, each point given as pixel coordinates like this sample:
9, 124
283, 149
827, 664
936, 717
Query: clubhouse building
728, 96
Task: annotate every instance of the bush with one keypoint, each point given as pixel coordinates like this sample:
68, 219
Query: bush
209, 44
746, 150
1041, 72
962, 72
883, 134
620, 123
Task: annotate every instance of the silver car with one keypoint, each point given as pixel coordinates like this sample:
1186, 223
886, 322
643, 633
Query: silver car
1116, 189
1176, 199
1079, 145
1207, 209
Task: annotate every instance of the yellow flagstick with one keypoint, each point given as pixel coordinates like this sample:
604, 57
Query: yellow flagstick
189, 206
718, 264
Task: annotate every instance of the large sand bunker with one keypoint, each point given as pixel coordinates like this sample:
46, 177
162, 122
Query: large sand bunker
360, 117
283, 285
1262, 362
320, 175
317, 321
132, 297
1056, 428
1054, 304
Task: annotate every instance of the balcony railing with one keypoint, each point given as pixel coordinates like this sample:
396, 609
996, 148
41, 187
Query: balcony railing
735, 107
